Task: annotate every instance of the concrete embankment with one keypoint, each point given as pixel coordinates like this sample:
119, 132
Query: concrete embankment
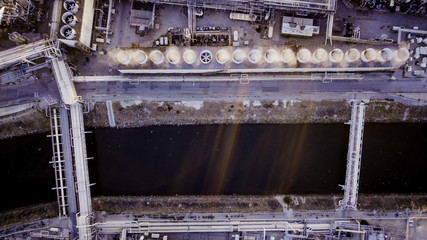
223, 204
146, 113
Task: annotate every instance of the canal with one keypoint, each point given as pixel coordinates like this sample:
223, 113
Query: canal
222, 159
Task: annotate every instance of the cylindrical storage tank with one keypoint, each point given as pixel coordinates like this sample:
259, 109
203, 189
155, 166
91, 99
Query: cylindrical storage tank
369, 55
336, 55
72, 6
205, 56
385, 55
157, 57
69, 18
320, 55
352, 55
238, 56
189, 56
287, 55
161, 41
254, 56
222, 56
402, 54
140, 57
272, 56
123, 57
67, 32
303, 55
173, 56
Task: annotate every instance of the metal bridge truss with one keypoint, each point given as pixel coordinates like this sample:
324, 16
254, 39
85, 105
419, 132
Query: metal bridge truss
29, 52
58, 161
258, 6
78, 142
354, 155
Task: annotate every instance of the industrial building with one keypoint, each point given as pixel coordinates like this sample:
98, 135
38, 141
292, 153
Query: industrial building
212, 39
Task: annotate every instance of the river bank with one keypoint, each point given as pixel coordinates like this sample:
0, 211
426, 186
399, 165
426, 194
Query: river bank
147, 113
222, 204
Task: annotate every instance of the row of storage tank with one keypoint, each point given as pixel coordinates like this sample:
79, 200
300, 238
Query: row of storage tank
258, 56
69, 19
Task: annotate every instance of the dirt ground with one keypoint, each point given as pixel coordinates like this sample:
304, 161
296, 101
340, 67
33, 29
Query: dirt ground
280, 111
220, 204
145, 113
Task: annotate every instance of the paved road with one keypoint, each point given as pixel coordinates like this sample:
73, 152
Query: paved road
117, 91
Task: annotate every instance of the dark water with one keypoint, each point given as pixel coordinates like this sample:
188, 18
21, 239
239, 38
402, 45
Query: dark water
222, 159
26, 176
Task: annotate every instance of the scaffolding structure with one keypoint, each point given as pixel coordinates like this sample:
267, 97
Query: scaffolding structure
13, 10
58, 162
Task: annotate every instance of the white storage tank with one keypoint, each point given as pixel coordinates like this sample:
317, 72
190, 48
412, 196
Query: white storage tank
222, 56
69, 18
140, 57
67, 32
320, 55
336, 55
304, 55
271, 56
402, 54
156, 57
189, 56
385, 55
238, 56
369, 55
352, 55
173, 56
123, 57
288, 56
72, 6
254, 56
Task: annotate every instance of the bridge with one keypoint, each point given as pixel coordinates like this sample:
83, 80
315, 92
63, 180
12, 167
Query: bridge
354, 156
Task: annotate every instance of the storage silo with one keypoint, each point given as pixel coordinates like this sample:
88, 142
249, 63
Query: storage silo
402, 54
369, 55
156, 57
123, 57
352, 55
189, 56
386, 54
287, 55
140, 57
304, 55
255, 56
173, 56
320, 55
336, 55
238, 56
222, 56
272, 56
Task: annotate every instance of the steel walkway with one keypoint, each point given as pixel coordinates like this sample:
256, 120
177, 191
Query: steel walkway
354, 155
28, 52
